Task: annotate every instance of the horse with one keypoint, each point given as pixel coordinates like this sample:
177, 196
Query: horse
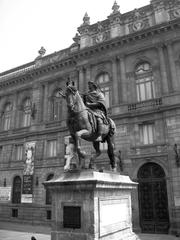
82, 123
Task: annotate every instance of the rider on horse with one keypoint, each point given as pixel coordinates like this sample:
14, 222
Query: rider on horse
95, 100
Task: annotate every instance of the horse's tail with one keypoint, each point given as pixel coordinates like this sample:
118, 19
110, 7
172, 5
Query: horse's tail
112, 128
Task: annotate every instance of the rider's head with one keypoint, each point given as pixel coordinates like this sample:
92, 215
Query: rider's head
92, 85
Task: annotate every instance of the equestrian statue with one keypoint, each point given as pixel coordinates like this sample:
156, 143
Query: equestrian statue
87, 119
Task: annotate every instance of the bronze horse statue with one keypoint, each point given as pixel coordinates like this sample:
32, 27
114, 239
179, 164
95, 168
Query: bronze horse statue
82, 123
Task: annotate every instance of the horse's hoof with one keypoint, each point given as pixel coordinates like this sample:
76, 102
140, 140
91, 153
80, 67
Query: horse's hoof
91, 166
114, 169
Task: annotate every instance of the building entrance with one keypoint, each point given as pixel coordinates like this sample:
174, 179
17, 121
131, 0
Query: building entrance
153, 201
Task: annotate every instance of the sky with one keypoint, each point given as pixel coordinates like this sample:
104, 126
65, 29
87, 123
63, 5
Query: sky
26, 25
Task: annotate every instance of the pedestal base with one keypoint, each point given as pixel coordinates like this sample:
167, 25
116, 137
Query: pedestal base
89, 205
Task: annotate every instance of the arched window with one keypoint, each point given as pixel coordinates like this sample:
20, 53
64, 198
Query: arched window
48, 193
103, 81
26, 121
7, 116
56, 107
144, 82
16, 194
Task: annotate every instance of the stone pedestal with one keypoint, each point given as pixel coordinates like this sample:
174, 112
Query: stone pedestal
90, 205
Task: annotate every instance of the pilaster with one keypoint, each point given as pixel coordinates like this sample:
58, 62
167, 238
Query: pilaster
45, 102
81, 79
130, 92
115, 98
16, 116
172, 66
87, 77
14, 112
123, 80
164, 79
35, 111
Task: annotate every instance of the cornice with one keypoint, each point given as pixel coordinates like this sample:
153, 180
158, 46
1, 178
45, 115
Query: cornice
87, 53
121, 41
15, 81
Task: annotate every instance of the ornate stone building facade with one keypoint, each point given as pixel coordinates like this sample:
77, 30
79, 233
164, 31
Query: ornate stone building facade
135, 59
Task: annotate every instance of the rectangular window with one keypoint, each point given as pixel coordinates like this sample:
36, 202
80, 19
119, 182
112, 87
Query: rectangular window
27, 119
48, 215
147, 134
52, 148
145, 89
19, 152
57, 109
14, 212
56, 113
7, 123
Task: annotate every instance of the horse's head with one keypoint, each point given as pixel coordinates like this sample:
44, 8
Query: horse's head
74, 101
71, 97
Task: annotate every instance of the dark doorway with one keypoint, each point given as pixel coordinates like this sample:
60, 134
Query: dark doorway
16, 195
48, 193
153, 202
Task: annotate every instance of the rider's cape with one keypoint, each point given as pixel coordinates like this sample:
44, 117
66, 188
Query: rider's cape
97, 97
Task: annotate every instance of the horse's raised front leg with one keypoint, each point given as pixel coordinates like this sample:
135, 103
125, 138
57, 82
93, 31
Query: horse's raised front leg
77, 136
96, 146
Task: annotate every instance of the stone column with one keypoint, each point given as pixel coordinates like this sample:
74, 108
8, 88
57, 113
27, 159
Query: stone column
158, 81
41, 103
130, 91
172, 66
81, 79
164, 78
123, 79
115, 98
36, 104
87, 78
45, 102
15, 122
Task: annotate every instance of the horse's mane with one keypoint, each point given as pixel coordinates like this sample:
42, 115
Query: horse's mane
72, 89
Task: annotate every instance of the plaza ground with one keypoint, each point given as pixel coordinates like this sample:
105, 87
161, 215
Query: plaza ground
13, 231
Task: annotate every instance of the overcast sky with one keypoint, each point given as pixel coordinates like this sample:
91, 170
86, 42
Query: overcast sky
26, 25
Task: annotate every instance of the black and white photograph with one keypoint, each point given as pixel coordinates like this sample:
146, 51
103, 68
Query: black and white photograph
90, 120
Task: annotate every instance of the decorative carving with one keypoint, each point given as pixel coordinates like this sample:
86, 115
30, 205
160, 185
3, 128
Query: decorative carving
75, 45
86, 19
100, 37
41, 52
76, 38
84, 28
176, 13
137, 14
138, 25
115, 8
138, 22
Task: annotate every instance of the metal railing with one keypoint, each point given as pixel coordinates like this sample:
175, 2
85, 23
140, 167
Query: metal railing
145, 104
